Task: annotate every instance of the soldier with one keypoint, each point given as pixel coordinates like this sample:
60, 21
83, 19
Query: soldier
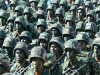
29, 15
13, 4
26, 37
43, 40
10, 24
21, 54
70, 20
81, 14
64, 5
71, 65
8, 45
60, 16
95, 65
33, 4
51, 14
88, 6
3, 19
41, 14
80, 26
83, 39
42, 6
41, 25
91, 29
18, 10
91, 16
20, 26
73, 10
4, 64
55, 3
56, 46
68, 33
55, 30
37, 59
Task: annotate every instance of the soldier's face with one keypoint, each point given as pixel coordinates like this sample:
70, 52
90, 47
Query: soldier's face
18, 13
54, 48
70, 53
90, 33
83, 44
37, 64
27, 16
41, 29
69, 23
50, 12
19, 55
80, 13
18, 26
96, 49
54, 32
98, 15
25, 40
67, 37
90, 19
10, 26
43, 43
59, 17
34, 5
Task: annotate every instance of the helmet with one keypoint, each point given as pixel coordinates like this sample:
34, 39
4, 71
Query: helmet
54, 2
4, 14
26, 34
28, 10
23, 2
13, 2
70, 18
22, 20
58, 41
23, 47
60, 11
45, 36
2, 34
19, 8
80, 26
64, 2
41, 22
5, 62
89, 4
82, 36
34, 1
41, 13
9, 42
11, 18
73, 7
51, 7
42, 5
68, 30
56, 26
91, 26
97, 9
91, 13
95, 1
96, 42
38, 52
73, 44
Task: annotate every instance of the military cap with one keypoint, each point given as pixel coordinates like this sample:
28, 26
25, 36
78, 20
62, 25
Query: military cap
64, 2
51, 7
38, 52
42, 5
